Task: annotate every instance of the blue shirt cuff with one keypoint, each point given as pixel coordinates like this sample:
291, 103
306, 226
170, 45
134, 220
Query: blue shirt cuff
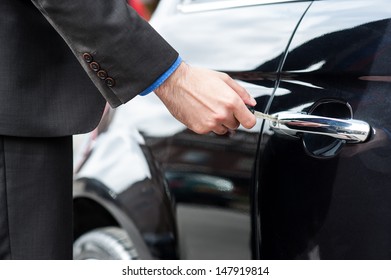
162, 78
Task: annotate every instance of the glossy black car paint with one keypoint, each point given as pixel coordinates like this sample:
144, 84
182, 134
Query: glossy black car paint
335, 208
255, 193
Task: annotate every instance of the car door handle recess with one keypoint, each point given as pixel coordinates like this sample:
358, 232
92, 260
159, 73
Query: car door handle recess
350, 130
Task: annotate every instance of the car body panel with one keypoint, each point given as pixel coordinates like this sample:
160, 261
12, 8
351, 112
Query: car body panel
336, 207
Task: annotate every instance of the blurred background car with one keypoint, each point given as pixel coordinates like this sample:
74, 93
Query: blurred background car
315, 186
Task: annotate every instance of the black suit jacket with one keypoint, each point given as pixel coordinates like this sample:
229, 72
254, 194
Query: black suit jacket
59, 57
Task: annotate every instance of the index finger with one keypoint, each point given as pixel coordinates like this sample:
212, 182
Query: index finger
241, 91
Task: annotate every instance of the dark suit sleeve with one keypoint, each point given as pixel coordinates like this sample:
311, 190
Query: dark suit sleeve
122, 54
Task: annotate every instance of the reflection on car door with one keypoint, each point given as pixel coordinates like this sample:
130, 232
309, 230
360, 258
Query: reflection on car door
337, 206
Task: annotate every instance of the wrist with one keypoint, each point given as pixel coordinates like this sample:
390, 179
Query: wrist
173, 81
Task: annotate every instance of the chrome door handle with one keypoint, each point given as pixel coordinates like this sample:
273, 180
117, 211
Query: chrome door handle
353, 131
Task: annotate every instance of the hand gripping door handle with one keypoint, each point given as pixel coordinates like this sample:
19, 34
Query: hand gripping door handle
353, 131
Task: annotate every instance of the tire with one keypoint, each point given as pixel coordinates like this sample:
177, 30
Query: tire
109, 243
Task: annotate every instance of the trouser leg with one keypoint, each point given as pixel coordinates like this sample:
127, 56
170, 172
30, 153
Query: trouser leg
36, 198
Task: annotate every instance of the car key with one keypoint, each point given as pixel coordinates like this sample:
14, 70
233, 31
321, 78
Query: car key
263, 116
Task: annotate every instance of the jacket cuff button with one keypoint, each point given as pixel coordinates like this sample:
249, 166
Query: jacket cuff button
95, 66
110, 82
102, 74
87, 57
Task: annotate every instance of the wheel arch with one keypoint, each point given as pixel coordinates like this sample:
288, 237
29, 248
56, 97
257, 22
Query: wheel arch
93, 211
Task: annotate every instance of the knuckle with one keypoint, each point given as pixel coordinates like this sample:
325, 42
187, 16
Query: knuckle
219, 118
200, 130
231, 104
209, 126
225, 77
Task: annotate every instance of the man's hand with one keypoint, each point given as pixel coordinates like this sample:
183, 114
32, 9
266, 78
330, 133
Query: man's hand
206, 100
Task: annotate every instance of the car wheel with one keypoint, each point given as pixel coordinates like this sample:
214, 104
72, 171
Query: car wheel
109, 243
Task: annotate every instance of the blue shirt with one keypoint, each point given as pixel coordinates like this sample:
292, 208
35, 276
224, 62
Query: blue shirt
163, 77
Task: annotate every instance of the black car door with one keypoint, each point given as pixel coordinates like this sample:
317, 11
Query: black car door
321, 197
